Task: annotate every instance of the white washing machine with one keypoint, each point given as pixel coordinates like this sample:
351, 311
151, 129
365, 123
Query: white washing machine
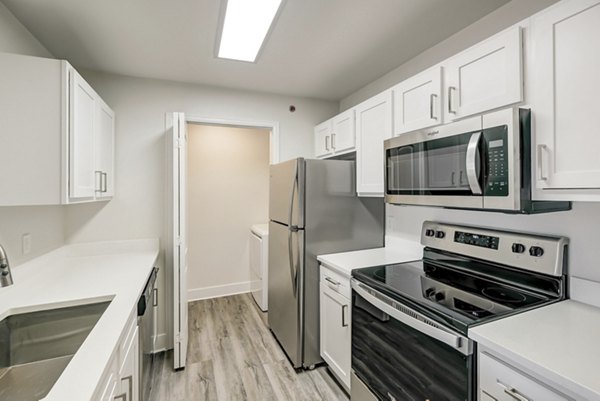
259, 263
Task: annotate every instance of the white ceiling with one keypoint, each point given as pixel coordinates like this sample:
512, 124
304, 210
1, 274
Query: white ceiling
319, 48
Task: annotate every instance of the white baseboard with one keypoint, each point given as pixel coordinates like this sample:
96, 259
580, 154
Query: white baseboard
196, 294
160, 343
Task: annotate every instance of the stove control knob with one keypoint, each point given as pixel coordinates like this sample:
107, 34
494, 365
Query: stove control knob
429, 292
440, 234
518, 248
439, 296
429, 232
536, 251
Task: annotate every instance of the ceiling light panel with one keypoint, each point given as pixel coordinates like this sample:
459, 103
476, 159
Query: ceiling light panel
245, 27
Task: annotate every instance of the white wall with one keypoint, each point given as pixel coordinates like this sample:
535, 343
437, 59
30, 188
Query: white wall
140, 105
44, 223
502, 18
228, 191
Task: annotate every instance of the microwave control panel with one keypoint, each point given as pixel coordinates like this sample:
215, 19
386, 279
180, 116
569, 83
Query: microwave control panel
496, 144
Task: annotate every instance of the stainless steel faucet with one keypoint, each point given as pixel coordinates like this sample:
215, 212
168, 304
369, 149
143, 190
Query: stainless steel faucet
5, 275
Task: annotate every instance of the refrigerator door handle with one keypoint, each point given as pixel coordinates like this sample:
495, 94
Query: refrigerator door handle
291, 230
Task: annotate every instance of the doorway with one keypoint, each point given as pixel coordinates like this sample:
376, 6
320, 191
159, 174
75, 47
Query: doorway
228, 192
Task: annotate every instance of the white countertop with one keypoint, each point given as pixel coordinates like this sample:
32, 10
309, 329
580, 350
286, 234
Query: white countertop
80, 274
396, 251
560, 342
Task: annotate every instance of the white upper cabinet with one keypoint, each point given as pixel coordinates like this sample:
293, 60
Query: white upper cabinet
323, 139
343, 132
566, 82
57, 134
335, 136
373, 126
418, 102
484, 77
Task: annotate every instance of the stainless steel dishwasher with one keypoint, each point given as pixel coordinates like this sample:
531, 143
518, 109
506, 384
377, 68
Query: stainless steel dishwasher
147, 329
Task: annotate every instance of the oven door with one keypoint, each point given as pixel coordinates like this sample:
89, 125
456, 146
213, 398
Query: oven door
399, 354
441, 167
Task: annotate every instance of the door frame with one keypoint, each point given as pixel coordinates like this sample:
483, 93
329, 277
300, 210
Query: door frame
273, 126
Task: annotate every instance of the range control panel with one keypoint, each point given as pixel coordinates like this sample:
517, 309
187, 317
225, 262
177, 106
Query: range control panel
485, 241
540, 253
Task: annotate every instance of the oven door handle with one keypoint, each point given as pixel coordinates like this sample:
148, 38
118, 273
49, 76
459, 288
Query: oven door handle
407, 316
472, 176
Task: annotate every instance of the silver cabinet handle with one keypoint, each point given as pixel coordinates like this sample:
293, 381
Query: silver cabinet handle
327, 143
155, 297
450, 89
105, 181
330, 280
333, 141
121, 397
344, 323
460, 177
472, 176
452, 176
512, 392
541, 150
98, 174
432, 97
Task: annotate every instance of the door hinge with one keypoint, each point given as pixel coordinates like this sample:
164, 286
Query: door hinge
179, 241
178, 338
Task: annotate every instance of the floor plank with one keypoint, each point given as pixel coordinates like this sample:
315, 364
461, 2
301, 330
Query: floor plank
232, 356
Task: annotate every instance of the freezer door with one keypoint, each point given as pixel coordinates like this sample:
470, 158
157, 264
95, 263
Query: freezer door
286, 289
286, 193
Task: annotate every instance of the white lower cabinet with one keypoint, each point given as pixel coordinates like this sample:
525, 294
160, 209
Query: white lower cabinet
500, 381
335, 308
121, 379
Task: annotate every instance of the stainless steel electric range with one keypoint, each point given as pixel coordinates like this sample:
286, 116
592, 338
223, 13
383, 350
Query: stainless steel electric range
410, 321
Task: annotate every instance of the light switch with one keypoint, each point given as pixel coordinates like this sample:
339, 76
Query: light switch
26, 243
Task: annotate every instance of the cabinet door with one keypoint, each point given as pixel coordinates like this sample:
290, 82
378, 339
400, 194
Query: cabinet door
104, 145
129, 371
418, 102
565, 95
323, 140
336, 333
343, 132
373, 126
81, 138
485, 77
504, 383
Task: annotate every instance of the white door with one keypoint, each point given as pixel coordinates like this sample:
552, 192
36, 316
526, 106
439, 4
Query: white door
373, 126
418, 102
82, 109
484, 77
343, 132
566, 82
180, 243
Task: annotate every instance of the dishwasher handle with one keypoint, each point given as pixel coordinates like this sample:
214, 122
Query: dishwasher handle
145, 300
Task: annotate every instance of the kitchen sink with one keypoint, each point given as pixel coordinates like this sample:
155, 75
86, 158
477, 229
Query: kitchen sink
36, 347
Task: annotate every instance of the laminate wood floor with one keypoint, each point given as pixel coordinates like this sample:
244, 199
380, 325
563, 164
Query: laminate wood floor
232, 356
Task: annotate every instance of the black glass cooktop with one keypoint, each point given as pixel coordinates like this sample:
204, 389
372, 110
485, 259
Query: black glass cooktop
455, 296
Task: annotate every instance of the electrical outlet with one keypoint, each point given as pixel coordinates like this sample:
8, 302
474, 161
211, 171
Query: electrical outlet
26, 244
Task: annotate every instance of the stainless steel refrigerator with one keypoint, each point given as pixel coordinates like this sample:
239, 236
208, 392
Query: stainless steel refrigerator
313, 210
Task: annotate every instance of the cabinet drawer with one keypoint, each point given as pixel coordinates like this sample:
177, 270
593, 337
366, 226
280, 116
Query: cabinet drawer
505, 383
336, 281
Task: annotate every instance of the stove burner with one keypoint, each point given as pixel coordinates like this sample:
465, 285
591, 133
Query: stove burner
503, 295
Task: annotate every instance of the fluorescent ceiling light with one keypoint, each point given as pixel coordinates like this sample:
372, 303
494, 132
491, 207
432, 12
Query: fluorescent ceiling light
245, 27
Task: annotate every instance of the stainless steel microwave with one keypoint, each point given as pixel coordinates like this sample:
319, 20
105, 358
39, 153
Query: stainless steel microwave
483, 162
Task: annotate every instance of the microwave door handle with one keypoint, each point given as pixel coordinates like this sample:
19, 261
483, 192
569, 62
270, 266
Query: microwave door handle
472, 176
